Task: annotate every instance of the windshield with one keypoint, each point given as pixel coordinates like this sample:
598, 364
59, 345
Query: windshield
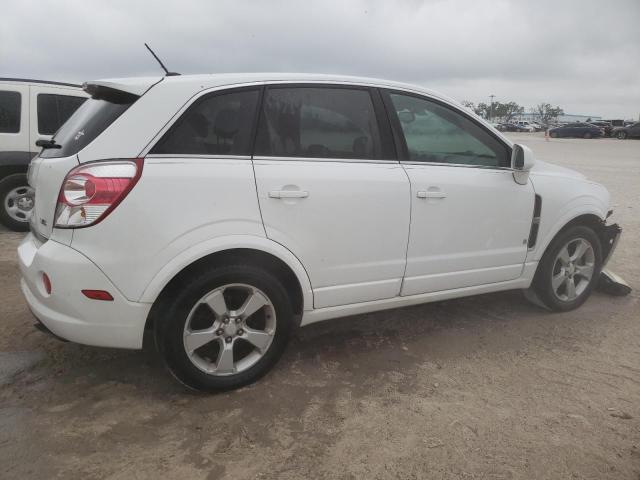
89, 121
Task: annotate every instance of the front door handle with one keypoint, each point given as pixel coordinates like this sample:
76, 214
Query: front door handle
288, 194
431, 194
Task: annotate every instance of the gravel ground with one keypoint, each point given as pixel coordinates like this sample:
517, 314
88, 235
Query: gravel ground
487, 387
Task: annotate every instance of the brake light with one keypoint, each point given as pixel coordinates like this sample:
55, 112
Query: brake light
91, 191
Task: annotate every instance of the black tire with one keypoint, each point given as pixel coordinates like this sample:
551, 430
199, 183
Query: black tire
170, 326
542, 283
7, 185
588, 135
621, 135
553, 135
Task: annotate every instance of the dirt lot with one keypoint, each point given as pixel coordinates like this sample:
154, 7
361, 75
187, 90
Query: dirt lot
487, 387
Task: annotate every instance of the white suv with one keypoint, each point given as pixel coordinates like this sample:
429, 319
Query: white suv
220, 212
30, 111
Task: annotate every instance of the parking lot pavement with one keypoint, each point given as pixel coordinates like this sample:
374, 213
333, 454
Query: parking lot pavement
483, 387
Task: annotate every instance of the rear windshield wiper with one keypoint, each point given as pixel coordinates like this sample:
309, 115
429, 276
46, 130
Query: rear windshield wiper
47, 144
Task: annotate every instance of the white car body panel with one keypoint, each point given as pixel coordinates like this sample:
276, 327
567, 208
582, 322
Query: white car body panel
351, 230
454, 243
360, 241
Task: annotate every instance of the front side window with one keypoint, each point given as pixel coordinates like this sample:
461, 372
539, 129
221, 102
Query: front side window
318, 122
10, 112
438, 134
54, 110
218, 124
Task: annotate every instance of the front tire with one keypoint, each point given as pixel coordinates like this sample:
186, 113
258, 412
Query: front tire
225, 328
569, 269
621, 135
17, 202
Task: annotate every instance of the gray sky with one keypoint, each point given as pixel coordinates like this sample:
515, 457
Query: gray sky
582, 55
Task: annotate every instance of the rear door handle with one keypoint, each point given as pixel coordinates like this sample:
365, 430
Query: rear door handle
431, 194
288, 194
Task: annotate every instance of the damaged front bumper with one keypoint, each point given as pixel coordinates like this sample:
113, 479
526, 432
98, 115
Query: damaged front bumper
609, 282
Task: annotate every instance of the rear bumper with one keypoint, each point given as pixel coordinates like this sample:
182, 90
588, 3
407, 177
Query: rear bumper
66, 311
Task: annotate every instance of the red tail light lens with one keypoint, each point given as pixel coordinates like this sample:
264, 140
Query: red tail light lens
91, 191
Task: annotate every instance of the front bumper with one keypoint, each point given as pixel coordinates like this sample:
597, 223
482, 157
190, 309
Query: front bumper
609, 237
66, 311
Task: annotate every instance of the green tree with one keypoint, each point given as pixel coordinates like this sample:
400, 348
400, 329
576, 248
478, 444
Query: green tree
506, 111
545, 112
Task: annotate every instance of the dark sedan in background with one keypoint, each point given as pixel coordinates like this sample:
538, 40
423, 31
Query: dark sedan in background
606, 126
577, 130
631, 131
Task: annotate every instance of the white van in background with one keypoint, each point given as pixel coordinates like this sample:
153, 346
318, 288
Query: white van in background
30, 110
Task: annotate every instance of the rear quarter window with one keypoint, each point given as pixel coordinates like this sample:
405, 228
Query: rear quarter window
10, 103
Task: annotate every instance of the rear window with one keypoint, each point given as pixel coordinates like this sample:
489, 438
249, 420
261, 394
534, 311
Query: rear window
89, 121
54, 110
9, 112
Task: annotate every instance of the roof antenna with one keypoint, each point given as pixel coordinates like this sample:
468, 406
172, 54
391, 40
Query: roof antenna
168, 73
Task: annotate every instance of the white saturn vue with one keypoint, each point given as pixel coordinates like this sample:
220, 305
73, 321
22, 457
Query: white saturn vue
218, 213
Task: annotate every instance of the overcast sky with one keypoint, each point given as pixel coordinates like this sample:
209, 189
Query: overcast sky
581, 55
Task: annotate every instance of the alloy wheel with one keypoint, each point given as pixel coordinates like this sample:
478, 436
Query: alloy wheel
229, 329
19, 202
573, 269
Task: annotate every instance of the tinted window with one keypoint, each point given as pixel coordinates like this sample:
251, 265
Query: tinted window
220, 124
318, 122
434, 133
9, 112
89, 121
54, 110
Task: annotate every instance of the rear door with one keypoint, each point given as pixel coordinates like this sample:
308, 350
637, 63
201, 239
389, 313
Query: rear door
469, 219
331, 190
48, 169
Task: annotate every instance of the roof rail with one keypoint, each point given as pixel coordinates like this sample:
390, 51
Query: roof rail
31, 80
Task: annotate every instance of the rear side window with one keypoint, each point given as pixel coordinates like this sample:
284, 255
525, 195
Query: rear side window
89, 121
9, 112
54, 110
218, 124
317, 122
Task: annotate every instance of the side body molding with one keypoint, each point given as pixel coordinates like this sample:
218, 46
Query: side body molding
228, 242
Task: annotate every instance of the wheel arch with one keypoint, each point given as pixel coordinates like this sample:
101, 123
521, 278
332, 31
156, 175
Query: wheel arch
254, 250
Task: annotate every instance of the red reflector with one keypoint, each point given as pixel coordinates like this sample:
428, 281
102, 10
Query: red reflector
47, 283
97, 295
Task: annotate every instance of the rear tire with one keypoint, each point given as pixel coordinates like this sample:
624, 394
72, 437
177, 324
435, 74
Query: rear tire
588, 135
621, 135
569, 269
553, 135
237, 349
16, 199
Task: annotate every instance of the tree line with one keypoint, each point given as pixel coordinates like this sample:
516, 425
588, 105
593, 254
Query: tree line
507, 111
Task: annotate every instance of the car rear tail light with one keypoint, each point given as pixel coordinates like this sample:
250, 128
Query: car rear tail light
98, 295
91, 191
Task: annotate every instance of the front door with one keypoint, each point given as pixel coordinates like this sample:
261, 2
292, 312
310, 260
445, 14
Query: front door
469, 219
331, 190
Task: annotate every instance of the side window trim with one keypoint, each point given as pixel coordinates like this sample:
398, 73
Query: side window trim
385, 131
403, 151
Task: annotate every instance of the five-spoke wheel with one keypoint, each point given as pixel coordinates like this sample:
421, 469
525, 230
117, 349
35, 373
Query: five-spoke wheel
224, 326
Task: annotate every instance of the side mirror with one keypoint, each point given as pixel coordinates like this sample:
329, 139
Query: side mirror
522, 160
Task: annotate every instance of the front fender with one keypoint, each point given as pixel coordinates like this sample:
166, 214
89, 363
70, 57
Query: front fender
228, 242
549, 228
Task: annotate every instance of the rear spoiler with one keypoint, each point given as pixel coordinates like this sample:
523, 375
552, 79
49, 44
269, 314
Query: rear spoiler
120, 90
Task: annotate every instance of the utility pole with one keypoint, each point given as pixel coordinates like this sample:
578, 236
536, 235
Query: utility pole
491, 108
